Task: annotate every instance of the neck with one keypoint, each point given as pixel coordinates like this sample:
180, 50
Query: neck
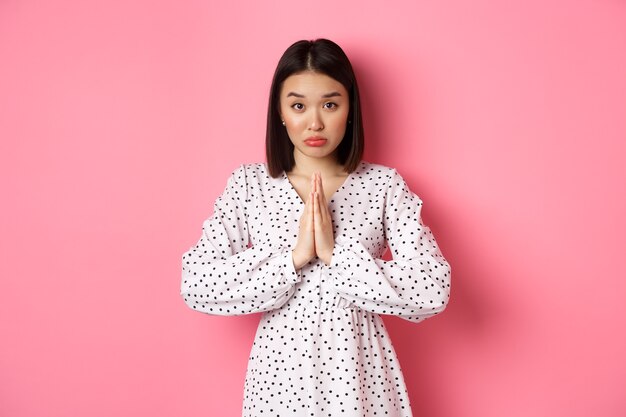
306, 165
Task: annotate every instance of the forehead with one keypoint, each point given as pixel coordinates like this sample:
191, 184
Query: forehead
311, 83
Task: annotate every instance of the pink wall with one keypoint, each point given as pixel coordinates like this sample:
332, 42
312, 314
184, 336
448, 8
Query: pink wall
120, 122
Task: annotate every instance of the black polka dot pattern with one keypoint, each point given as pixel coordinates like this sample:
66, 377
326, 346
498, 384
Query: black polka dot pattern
321, 348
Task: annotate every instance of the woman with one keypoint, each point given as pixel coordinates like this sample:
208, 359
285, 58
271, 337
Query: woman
300, 239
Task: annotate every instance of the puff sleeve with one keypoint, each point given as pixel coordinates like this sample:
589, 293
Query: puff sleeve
414, 285
222, 274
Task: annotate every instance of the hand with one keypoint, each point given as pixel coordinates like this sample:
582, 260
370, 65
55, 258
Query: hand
324, 236
304, 250
315, 234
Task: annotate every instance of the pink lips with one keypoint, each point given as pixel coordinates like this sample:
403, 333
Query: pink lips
315, 141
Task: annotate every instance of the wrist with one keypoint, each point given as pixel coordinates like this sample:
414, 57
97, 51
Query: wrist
326, 257
298, 260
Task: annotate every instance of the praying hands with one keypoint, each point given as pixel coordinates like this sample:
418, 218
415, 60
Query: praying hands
315, 236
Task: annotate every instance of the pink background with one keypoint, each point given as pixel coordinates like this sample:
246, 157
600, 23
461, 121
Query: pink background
120, 122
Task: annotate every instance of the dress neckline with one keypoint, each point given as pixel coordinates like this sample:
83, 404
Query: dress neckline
333, 196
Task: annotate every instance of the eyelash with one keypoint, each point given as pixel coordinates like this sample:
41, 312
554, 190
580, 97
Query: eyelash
293, 106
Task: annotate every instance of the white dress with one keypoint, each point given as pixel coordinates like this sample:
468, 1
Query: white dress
321, 348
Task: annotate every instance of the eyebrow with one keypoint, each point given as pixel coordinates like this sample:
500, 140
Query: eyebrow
333, 94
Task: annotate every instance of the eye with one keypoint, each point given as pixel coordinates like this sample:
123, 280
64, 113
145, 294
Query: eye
298, 106
330, 105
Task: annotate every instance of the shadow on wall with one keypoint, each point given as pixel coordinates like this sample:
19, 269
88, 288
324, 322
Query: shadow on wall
469, 322
370, 94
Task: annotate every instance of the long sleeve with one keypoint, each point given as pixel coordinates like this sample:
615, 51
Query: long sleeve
222, 275
414, 285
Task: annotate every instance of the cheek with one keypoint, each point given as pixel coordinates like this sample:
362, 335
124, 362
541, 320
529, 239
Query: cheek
294, 122
340, 119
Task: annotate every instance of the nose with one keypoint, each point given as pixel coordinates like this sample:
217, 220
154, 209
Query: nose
316, 122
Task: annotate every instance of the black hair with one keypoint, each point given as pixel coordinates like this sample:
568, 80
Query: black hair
325, 57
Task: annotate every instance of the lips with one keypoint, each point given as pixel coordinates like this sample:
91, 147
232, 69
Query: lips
315, 141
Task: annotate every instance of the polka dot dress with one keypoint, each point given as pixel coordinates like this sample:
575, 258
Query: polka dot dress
321, 348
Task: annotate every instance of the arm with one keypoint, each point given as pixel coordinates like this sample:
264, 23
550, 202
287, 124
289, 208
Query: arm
414, 285
221, 275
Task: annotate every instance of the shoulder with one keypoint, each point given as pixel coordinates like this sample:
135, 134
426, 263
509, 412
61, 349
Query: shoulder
251, 173
396, 185
256, 172
379, 171
245, 169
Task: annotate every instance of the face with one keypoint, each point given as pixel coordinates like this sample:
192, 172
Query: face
315, 110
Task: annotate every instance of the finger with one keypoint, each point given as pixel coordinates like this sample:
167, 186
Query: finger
323, 212
322, 193
316, 210
321, 209
323, 202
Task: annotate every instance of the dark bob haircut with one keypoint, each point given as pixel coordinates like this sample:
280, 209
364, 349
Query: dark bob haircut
325, 57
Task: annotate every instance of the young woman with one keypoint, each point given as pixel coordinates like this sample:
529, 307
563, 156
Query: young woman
300, 239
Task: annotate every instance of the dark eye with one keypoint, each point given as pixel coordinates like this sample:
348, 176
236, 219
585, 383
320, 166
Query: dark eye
330, 105
298, 106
